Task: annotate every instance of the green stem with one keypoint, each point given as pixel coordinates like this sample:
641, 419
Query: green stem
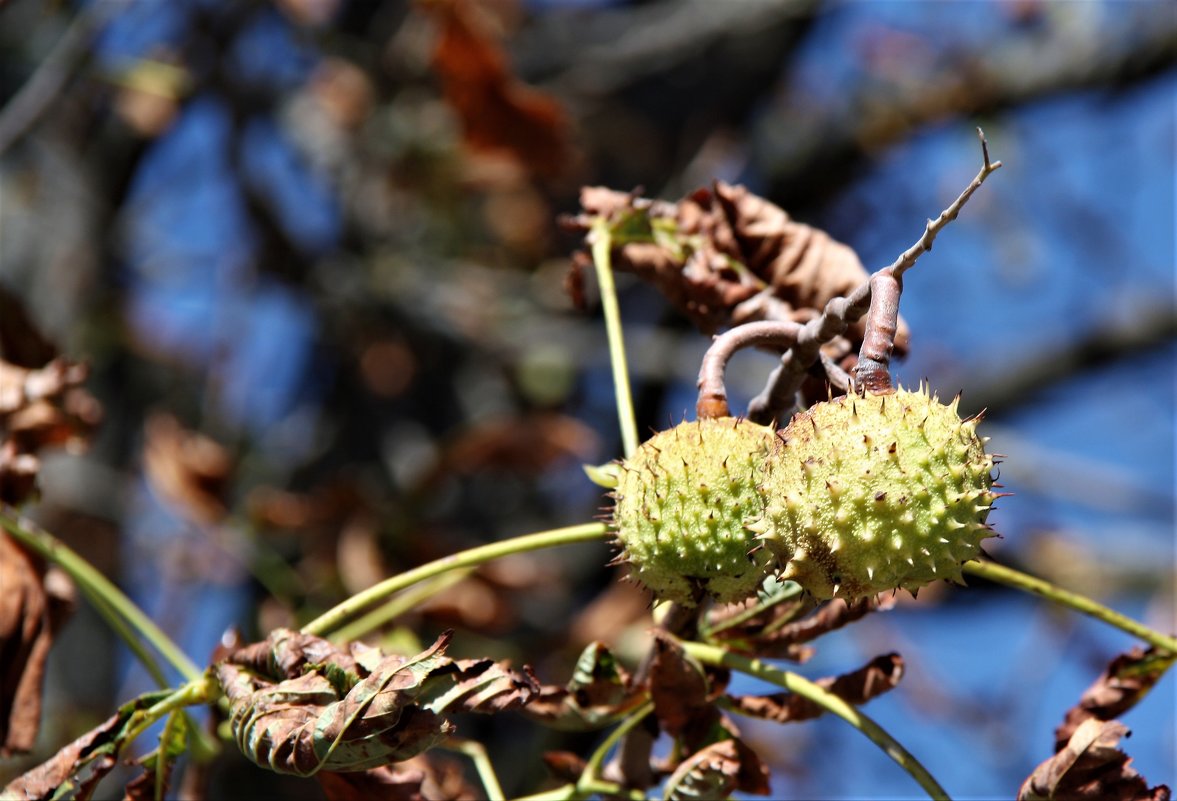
600, 787
203, 745
604, 789
594, 766
486, 772
787, 594
124, 632
823, 698
602, 245
93, 584
332, 619
396, 607
1080, 603
162, 755
565, 792
202, 690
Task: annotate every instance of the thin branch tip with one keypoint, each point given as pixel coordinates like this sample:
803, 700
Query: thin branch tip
990, 166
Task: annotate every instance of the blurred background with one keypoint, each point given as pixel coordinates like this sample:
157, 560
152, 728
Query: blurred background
310, 250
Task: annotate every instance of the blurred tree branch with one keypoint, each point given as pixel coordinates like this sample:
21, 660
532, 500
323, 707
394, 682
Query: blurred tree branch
38, 94
823, 144
1013, 384
801, 145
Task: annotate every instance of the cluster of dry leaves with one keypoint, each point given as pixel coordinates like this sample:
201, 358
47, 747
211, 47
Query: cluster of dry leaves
725, 256
42, 405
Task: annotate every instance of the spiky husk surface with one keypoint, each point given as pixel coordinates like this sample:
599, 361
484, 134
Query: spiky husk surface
682, 504
877, 492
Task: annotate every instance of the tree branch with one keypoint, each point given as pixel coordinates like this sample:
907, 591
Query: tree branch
712, 401
879, 295
38, 93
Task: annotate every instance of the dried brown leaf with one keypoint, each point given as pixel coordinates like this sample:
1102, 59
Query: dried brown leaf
621, 604
873, 679
298, 704
445, 779
527, 445
767, 635
599, 692
1127, 679
75, 771
681, 693
724, 256
482, 685
564, 765
143, 787
384, 783
1090, 767
828, 617
43, 781
40, 408
472, 603
500, 114
717, 771
34, 605
188, 469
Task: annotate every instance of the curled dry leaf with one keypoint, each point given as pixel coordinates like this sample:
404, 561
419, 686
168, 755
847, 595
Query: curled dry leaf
143, 787
1125, 681
75, 771
1089, 767
42, 403
717, 771
599, 693
384, 783
564, 765
873, 679
40, 408
618, 606
526, 445
64, 770
500, 114
445, 778
188, 469
298, 705
34, 605
724, 256
681, 693
767, 635
828, 617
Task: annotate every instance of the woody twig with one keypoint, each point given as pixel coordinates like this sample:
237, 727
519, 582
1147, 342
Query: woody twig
880, 297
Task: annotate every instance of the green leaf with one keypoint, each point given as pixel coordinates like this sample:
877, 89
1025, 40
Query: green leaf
606, 475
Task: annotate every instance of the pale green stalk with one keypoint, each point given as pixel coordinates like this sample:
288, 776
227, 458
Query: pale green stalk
602, 245
202, 690
332, 619
397, 606
124, 632
486, 772
823, 698
161, 760
93, 584
758, 609
594, 766
1080, 603
600, 787
590, 782
565, 792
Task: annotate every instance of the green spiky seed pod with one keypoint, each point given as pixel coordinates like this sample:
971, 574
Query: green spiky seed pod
682, 504
877, 492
